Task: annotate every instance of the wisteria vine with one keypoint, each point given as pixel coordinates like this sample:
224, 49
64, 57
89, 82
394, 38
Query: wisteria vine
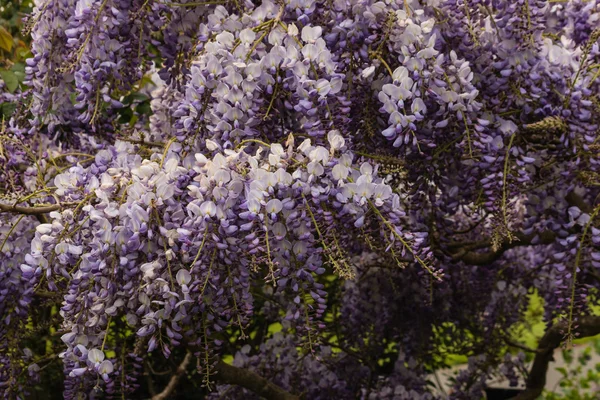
296, 198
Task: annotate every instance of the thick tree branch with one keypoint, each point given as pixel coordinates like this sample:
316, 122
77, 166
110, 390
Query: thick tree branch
168, 390
466, 255
232, 375
252, 381
586, 326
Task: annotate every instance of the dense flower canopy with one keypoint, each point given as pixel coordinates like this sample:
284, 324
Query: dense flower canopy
335, 193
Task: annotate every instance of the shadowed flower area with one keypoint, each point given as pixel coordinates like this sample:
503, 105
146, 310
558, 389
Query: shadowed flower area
295, 199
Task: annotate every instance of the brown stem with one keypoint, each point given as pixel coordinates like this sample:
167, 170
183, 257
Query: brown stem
252, 381
47, 295
517, 345
586, 326
29, 210
168, 390
149, 382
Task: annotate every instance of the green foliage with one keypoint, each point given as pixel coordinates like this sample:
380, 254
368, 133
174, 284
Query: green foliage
579, 379
14, 49
10, 79
6, 40
531, 328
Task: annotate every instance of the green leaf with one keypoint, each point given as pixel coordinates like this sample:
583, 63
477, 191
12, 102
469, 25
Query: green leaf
563, 371
135, 97
140, 97
144, 108
6, 110
20, 76
18, 67
10, 79
19, 70
228, 359
133, 120
6, 39
146, 80
23, 53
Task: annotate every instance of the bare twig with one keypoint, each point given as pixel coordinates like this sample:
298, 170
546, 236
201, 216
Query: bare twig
142, 142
